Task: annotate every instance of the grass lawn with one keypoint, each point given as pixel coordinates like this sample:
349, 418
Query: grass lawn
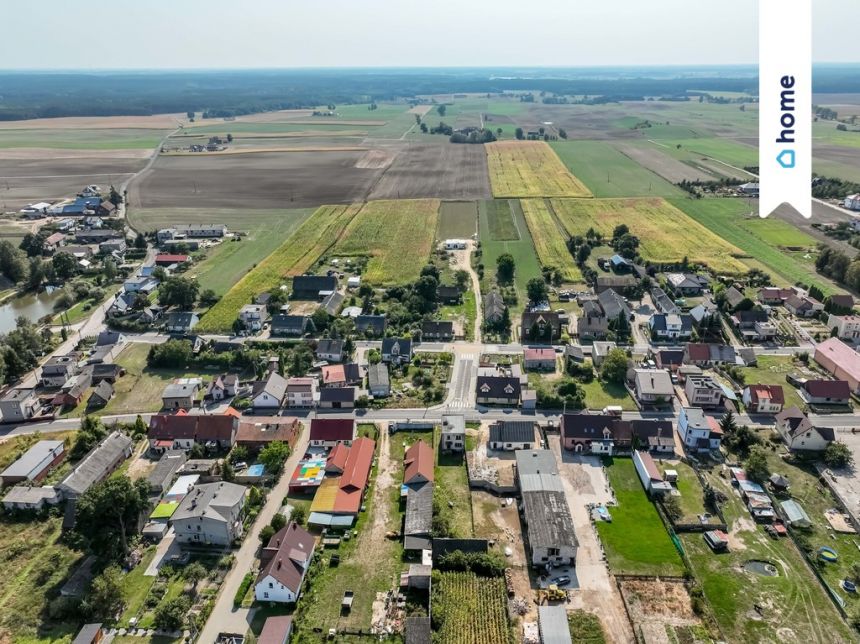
136, 586
725, 150
609, 173
796, 606
452, 485
771, 370
692, 501
457, 220
585, 627
467, 311
650, 551
600, 394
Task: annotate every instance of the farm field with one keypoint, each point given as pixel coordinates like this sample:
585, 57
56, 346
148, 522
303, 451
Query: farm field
609, 173
397, 235
725, 150
664, 232
457, 220
501, 221
468, 609
80, 139
652, 551
530, 169
550, 241
294, 256
656, 158
797, 608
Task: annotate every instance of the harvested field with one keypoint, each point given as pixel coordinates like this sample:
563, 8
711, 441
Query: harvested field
666, 234
435, 170
420, 110
457, 220
549, 238
397, 235
266, 180
50, 154
376, 159
530, 169
672, 170
296, 255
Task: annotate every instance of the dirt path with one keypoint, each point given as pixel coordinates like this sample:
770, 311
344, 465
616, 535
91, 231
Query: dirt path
463, 260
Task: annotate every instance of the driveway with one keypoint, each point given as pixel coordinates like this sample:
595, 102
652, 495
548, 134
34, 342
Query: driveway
224, 617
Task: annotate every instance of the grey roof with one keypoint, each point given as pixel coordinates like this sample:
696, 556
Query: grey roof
403, 346
275, 385
29, 495
337, 394
548, 519
655, 382
419, 510
535, 461
212, 500
494, 306
96, 465
14, 395
180, 390
734, 296
332, 303
292, 324
453, 424
498, 387
313, 284
554, 629
375, 323
417, 630
327, 345
107, 338
512, 431
183, 319
103, 392
166, 468
31, 458
87, 634
437, 327
377, 375
613, 304
663, 302
659, 321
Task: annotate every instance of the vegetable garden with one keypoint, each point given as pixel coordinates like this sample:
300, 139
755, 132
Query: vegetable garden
468, 609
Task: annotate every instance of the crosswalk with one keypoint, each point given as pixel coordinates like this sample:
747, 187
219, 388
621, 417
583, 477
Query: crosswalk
462, 381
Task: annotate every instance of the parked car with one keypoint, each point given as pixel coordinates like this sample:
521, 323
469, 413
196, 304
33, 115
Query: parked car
562, 580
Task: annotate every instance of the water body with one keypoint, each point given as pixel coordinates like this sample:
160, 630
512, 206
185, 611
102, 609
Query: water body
31, 306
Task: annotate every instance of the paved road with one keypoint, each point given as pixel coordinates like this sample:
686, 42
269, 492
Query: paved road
224, 617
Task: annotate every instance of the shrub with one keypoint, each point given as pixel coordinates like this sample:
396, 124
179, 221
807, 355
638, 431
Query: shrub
247, 580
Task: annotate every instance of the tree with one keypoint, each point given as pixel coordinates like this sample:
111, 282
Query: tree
519, 134
273, 456
65, 265
178, 291
13, 263
816, 293
461, 277
505, 267
562, 133
109, 270
728, 424
536, 290
139, 428
499, 132
837, 455
238, 454
321, 319
208, 297
278, 521
194, 573
672, 507
441, 109
140, 242
33, 244
173, 354
106, 597
266, 534
170, 614
35, 274
298, 514
115, 198
756, 464
229, 137
614, 368
108, 512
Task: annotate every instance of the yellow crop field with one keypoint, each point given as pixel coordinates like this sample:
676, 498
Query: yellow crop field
397, 235
665, 233
296, 255
530, 169
550, 241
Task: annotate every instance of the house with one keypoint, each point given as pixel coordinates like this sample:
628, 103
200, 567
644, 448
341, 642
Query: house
330, 350
592, 323
256, 433
113, 246
181, 393
839, 360
34, 464
18, 405
53, 242
89, 634
847, 327
552, 624
104, 354
331, 302
686, 284
670, 359
377, 380
338, 499
328, 432
337, 398
301, 392
622, 283
499, 388
652, 479
494, 308
198, 231
653, 386
418, 520
396, 350
539, 359
418, 462
58, 369
551, 534
95, 236
25, 498
540, 326
181, 322
599, 351
825, 392
671, 326
292, 325
143, 285
698, 432
283, 564
852, 202
211, 514
72, 392
619, 264
763, 399
276, 630
803, 306
252, 316
799, 434
97, 465
340, 375
183, 431
750, 189
614, 306
269, 393
437, 330
223, 386
370, 325
840, 302
707, 355
105, 371
448, 294
605, 434
161, 477
313, 287
662, 302
453, 434
773, 296
703, 391
733, 297
510, 435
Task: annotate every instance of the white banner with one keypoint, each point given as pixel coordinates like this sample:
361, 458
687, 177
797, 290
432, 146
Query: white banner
785, 105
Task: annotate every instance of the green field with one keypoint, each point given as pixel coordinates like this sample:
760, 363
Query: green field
549, 238
609, 173
599, 394
777, 232
501, 221
457, 220
731, 152
78, 139
650, 551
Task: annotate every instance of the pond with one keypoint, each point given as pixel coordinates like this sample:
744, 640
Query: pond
764, 568
31, 306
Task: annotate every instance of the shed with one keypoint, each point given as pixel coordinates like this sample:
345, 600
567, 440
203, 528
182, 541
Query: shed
795, 515
717, 540
552, 621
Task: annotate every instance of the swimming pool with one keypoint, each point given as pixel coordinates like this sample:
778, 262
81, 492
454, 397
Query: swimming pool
257, 469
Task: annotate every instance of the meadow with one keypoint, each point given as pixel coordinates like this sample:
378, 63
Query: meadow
501, 223
550, 242
397, 235
457, 220
530, 169
665, 234
296, 255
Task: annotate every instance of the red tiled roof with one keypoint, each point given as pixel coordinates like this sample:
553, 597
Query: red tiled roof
698, 351
356, 469
714, 425
333, 373
773, 393
265, 430
418, 461
828, 388
332, 429
337, 457
276, 630
171, 258
202, 427
292, 548
539, 354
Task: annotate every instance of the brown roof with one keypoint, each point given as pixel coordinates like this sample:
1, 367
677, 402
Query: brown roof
650, 466
276, 630
845, 301
333, 373
200, 427
828, 388
291, 550
264, 430
698, 351
332, 429
418, 462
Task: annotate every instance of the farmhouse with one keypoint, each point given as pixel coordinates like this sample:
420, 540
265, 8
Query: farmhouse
703, 391
396, 350
161, 477
539, 359
599, 351
763, 399
825, 392
650, 476
328, 432
847, 326
620, 283
606, 434
269, 393
210, 515
671, 326
510, 435
774, 296
252, 316
448, 294
17, 405
72, 392
698, 432
223, 386
799, 434
283, 564
540, 326
97, 465
498, 389
551, 535
418, 464
331, 302
313, 287
453, 438
838, 359
34, 464
166, 260
733, 297
653, 386
377, 380
592, 322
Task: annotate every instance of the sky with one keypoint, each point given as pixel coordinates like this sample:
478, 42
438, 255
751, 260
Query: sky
162, 34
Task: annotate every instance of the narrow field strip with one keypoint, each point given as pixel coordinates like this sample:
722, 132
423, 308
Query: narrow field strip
550, 242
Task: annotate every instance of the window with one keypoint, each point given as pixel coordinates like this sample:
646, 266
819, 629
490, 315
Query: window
266, 595
271, 585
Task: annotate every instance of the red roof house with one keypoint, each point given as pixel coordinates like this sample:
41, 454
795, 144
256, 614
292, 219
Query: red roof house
418, 464
764, 399
168, 259
284, 561
328, 432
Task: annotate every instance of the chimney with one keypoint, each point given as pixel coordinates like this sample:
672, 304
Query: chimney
279, 563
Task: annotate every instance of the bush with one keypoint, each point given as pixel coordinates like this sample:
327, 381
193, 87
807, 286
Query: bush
247, 580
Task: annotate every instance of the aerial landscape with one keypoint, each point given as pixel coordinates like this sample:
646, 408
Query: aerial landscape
442, 347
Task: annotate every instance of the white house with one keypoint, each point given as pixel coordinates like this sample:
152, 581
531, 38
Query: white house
269, 393
852, 202
799, 434
763, 399
283, 565
699, 433
847, 326
301, 392
252, 316
453, 433
211, 514
18, 405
